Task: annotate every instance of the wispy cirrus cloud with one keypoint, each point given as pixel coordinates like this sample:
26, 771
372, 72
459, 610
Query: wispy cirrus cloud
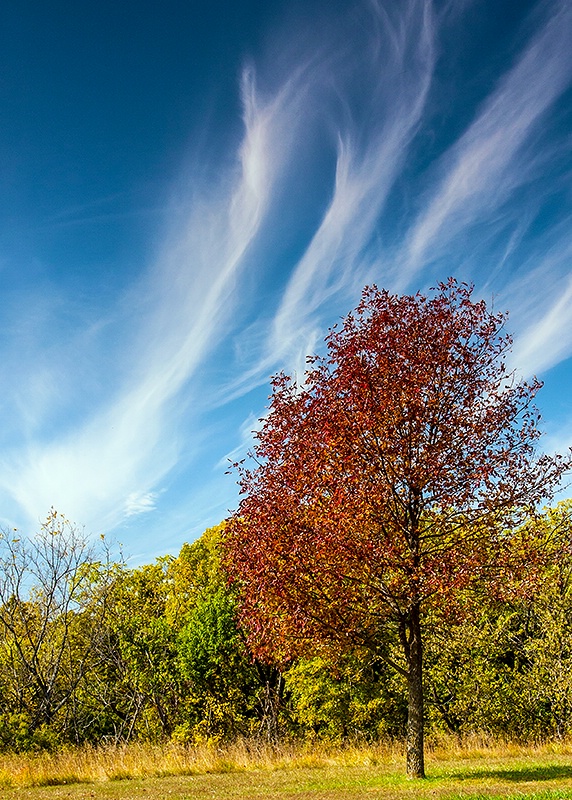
473, 215
485, 211
398, 59
477, 205
482, 170
468, 199
543, 335
108, 463
392, 60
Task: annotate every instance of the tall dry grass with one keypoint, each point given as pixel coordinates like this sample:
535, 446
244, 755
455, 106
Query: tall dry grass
90, 764
482, 746
116, 762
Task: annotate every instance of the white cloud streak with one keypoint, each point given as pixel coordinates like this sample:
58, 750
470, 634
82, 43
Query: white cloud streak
395, 63
364, 175
489, 161
99, 471
541, 303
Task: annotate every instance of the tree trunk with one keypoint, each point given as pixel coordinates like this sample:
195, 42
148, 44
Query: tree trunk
271, 702
414, 655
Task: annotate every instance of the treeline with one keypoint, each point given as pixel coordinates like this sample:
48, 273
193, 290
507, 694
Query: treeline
94, 651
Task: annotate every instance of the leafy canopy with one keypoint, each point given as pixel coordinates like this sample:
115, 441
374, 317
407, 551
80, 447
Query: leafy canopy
392, 476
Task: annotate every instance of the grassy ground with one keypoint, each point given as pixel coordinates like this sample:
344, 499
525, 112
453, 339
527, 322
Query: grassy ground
258, 773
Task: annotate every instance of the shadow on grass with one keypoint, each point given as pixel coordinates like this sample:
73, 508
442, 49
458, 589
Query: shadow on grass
548, 772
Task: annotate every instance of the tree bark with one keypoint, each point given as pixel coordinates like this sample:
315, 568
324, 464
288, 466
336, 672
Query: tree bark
415, 714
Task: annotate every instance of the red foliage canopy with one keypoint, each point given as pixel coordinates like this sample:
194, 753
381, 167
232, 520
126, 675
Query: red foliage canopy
396, 473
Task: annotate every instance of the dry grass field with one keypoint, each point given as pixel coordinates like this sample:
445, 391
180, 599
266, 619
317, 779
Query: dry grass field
255, 772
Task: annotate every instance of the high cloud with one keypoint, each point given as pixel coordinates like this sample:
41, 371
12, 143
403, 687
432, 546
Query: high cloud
490, 161
121, 449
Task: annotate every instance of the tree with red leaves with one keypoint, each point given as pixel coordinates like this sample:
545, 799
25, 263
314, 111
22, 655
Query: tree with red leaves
394, 477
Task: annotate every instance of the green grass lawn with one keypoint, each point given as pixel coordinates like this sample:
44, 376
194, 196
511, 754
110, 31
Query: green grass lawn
541, 773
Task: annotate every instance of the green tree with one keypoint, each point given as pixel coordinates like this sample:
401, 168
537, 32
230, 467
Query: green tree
228, 693
138, 682
221, 680
52, 609
504, 665
341, 696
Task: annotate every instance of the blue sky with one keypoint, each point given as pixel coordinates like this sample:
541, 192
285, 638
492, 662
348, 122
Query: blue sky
191, 194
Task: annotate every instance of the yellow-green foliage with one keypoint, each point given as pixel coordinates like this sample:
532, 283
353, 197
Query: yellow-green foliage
154, 653
346, 697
